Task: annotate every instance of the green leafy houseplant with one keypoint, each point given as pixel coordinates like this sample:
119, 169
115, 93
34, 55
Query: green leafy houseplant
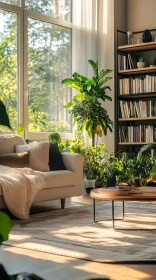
86, 106
140, 168
119, 167
149, 147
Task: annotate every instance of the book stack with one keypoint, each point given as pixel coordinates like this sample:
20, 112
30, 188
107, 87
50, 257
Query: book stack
126, 62
136, 85
137, 109
139, 133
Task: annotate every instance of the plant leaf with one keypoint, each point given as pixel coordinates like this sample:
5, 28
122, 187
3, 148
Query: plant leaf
67, 81
153, 171
4, 119
5, 227
68, 105
94, 66
147, 147
20, 129
72, 85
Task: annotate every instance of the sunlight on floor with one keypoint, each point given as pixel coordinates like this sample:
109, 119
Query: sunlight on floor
33, 254
133, 273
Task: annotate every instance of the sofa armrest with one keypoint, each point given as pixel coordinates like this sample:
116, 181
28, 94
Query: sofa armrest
73, 162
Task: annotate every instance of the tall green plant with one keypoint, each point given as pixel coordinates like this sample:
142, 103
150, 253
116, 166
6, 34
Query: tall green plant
86, 106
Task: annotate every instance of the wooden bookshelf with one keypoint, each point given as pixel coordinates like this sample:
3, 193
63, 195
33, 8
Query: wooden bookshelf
138, 71
138, 47
132, 86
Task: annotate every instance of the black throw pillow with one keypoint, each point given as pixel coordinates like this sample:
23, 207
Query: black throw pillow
55, 158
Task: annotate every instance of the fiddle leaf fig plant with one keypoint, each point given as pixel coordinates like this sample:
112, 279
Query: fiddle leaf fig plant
86, 106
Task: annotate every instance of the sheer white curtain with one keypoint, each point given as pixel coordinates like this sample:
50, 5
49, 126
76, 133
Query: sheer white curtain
93, 38
85, 35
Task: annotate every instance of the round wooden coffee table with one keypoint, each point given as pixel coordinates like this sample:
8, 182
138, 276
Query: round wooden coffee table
98, 194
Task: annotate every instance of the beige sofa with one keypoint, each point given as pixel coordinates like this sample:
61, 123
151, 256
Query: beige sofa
59, 184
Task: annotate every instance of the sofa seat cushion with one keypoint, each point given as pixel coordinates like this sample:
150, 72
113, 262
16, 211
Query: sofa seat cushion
59, 178
56, 179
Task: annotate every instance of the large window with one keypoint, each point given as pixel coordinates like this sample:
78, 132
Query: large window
9, 65
49, 61
12, 2
60, 9
43, 42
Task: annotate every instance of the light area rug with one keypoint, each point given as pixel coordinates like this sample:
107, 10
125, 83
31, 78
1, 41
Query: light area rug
72, 233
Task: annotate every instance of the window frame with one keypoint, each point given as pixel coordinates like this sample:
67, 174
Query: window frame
29, 14
22, 60
17, 10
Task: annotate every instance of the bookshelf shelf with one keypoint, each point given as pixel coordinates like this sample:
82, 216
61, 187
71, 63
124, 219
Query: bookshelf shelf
137, 119
135, 95
138, 71
135, 143
138, 47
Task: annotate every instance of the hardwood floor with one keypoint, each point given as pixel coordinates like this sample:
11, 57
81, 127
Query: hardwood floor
51, 267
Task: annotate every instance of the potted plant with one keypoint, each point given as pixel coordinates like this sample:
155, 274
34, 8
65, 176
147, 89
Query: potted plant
86, 106
140, 168
153, 61
141, 63
149, 147
119, 167
97, 161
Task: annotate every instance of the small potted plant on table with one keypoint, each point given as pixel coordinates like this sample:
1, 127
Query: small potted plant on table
140, 168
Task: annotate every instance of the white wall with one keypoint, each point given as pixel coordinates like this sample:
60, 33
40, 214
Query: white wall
141, 14
106, 58
115, 18
120, 14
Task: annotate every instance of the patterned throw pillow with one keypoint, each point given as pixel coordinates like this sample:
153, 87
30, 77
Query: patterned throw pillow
39, 155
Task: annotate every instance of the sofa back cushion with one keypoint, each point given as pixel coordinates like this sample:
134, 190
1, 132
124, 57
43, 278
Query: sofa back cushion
55, 158
8, 143
15, 160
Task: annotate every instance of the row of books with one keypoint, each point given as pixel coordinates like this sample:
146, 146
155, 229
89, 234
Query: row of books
140, 133
137, 109
137, 85
126, 62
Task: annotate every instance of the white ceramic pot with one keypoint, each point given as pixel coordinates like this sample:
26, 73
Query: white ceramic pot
92, 183
140, 64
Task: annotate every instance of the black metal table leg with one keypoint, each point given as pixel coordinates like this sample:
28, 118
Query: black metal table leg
94, 209
113, 212
123, 209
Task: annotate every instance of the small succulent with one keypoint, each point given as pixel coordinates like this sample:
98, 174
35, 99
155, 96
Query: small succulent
141, 59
